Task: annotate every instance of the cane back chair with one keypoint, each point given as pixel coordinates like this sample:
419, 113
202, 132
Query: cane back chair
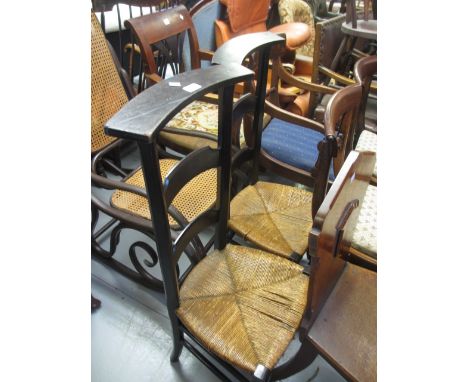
128, 206
215, 307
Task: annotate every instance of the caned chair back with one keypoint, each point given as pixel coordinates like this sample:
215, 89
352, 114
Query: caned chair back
107, 92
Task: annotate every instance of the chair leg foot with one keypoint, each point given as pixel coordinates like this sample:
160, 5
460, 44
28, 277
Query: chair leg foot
95, 303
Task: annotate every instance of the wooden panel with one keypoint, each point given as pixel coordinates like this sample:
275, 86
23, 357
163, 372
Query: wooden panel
345, 332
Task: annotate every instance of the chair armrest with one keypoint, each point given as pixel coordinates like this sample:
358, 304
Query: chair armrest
206, 55
285, 76
153, 78
276, 112
342, 79
337, 77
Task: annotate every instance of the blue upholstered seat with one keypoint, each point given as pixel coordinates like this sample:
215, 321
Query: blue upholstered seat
292, 144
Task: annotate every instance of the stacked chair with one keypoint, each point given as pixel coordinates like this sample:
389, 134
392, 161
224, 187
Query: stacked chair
238, 308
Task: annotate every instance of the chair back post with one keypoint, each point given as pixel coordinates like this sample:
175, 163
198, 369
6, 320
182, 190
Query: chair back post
328, 40
236, 50
364, 71
331, 234
341, 111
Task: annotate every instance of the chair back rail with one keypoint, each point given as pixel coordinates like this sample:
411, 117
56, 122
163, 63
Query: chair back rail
164, 33
122, 41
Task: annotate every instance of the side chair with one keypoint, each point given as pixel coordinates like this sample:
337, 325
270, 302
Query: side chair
214, 310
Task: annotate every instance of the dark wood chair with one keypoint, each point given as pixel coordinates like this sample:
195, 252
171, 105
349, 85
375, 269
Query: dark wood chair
214, 310
112, 15
128, 207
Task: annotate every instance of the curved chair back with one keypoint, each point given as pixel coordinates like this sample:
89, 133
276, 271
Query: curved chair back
364, 71
164, 34
108, 94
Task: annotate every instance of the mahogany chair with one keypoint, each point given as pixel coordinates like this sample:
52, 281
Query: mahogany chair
214, 309
128, 206
160, 37
112, 15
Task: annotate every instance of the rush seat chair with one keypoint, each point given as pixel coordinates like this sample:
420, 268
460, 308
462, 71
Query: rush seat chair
276, 217
214, 309
271, 215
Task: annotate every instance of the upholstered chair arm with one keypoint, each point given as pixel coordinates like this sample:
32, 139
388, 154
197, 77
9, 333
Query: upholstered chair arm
206, 55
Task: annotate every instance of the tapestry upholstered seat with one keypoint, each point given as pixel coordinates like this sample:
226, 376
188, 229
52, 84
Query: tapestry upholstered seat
197, 196
368, 142
365, 233
246, 318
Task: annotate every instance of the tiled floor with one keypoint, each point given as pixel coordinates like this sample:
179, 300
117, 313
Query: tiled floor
130, 331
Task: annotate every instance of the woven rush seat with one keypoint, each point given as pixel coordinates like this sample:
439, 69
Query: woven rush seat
368, 142
275, 217
244, 305
365, 233
194, 198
